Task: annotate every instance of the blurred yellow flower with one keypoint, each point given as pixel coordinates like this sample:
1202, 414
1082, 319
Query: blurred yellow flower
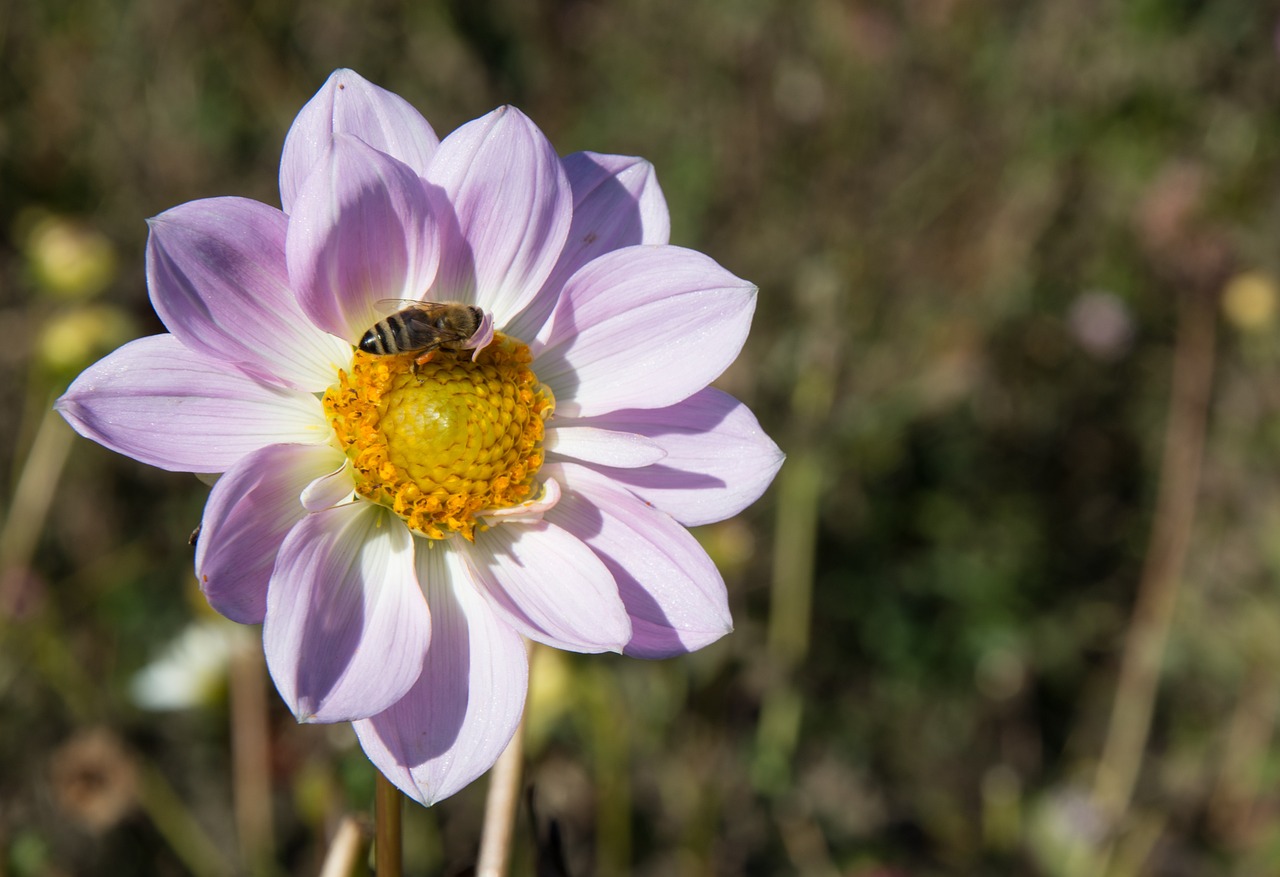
70, 340
1249, 301
551, 694
69, 260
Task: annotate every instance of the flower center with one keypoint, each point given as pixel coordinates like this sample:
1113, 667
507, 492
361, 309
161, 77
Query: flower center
446, 441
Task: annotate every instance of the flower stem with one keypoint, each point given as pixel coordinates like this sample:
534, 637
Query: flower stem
349, 850
1144, 650
386, 815
251, 757
500, 807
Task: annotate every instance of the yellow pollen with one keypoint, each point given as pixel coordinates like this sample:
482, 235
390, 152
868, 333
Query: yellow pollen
443, 442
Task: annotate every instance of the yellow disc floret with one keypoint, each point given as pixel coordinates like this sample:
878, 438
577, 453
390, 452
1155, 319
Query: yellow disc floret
442, 442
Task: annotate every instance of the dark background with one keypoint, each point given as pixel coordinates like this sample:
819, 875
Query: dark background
1016, 332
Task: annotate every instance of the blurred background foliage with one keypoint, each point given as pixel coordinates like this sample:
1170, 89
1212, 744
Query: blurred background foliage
1012, 606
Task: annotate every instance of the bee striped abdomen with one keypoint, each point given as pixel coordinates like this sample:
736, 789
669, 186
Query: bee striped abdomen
387, 337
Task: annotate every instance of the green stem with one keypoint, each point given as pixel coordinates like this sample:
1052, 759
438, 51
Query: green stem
386, 814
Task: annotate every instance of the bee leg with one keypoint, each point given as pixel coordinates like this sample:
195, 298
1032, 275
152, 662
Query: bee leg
422, 359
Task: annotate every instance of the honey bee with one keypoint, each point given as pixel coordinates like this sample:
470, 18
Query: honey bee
424, 327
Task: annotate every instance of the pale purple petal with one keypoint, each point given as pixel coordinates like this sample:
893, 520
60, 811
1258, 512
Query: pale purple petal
608, 447
512, 205
673, 592
719, 460
459, 716
616, 203
217, 276
481, 338
642, 327
361, 232
162, 404
549, 586
350, 104
347, 626
250, 510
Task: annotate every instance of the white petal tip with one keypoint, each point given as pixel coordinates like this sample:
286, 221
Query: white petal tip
530, 511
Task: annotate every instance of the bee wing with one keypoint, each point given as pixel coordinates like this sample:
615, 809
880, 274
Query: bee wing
426, 321
420, 314
423, 310
391, 305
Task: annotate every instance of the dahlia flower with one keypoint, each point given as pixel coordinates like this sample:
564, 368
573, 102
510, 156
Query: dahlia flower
400, 523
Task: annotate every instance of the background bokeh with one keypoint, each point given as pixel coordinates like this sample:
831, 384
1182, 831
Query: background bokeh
1011, 607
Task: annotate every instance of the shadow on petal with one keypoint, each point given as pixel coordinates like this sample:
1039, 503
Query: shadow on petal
650, 625
330, 642
455, 721
556, 374
456, 279
649, 622
659, 476
591, 234
425, 723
